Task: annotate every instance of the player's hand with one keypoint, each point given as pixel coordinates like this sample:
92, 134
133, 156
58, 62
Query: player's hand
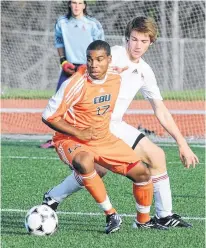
187, 156
119, 69
85, 134
69, 68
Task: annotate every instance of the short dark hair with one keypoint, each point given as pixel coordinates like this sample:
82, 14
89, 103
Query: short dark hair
142, 24
69, 15
99, 45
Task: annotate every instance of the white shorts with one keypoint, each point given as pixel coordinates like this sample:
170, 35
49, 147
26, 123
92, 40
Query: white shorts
129, 134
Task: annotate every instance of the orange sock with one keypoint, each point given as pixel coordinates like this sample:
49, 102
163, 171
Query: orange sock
143, 193
94, 184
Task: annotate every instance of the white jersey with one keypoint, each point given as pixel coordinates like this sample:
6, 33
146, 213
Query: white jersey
138, 77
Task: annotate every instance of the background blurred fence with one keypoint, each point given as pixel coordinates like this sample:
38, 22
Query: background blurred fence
30, 61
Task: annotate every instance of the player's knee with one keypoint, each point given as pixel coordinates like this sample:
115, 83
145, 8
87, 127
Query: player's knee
144, 176
101, 171
139, 173
83, 162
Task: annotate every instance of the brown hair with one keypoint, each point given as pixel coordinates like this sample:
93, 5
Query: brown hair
70, 11
142, 24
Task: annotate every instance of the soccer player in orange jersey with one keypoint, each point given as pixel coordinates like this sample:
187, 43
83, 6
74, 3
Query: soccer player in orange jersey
80, 114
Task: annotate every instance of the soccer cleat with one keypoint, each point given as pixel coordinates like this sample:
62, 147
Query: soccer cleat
114, 222
48, 144
174, 220
151, 224
47, 200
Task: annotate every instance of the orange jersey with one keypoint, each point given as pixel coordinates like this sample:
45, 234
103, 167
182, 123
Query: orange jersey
84, 102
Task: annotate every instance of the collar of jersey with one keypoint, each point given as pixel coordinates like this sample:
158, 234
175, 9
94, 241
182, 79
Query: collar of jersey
93, 81
77, 19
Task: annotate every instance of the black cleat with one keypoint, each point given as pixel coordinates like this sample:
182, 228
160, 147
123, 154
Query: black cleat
151, 224
114, 222
174, 220
47, 200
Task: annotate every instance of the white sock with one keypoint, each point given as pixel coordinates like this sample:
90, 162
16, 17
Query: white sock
106, 205
70, 185
162, 195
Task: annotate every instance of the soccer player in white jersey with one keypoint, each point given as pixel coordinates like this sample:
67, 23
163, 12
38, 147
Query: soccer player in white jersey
140, 33
73, 33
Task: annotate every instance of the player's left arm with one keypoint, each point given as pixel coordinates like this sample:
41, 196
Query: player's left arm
187, 157
98, 31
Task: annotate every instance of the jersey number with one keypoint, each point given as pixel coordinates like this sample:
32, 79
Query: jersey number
102, 110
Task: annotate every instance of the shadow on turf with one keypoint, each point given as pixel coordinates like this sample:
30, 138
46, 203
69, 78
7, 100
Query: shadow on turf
82, 224
13, 224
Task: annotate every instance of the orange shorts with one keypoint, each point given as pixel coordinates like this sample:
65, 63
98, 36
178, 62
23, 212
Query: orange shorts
111, 152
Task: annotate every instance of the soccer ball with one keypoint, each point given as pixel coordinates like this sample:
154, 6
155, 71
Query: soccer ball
41, 220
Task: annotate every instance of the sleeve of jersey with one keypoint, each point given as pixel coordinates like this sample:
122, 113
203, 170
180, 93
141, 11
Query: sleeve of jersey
59, 42
98, 33
69, 94
150, 89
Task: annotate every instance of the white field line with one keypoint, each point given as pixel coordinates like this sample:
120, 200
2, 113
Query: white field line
92, 214
191, 145
25, 157
160, 141
29, 138
129, 111
172, 111
56, 158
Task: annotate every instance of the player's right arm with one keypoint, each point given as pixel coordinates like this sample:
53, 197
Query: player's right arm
59, 41
67, 67
56, 110
64, 127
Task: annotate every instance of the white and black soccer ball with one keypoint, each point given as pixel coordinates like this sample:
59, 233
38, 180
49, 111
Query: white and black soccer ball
41, 220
